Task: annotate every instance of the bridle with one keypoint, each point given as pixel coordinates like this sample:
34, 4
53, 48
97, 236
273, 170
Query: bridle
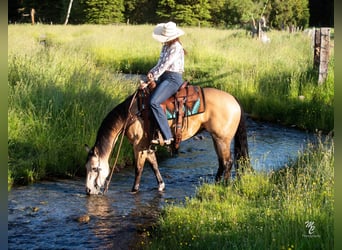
97, 170
129, 118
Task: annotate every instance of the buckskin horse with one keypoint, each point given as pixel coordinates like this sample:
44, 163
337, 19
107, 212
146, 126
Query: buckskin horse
223, 118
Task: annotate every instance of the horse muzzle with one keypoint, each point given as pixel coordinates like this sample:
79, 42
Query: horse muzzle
95, 191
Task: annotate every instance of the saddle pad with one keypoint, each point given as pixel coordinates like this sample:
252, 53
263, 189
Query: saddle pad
193, 99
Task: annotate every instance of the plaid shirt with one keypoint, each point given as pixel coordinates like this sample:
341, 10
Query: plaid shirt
171, 59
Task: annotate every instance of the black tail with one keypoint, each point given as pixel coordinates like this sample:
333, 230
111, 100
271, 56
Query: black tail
241, 155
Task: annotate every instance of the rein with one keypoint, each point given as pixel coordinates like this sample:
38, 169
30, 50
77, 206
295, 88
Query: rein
109, 178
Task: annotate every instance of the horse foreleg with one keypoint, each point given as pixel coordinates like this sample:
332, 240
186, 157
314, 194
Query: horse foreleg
140, 157
152, 159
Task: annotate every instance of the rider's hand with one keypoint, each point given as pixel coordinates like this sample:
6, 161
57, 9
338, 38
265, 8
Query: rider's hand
143, 85
150, 77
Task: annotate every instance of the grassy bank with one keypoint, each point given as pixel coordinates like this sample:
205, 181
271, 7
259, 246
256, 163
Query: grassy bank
58, 98
260, 211
63, 80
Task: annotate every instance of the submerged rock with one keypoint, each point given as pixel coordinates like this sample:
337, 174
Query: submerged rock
35, 209
83, 218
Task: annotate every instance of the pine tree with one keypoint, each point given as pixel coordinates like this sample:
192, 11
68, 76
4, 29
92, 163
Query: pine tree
185, 12
104, 11
289, 13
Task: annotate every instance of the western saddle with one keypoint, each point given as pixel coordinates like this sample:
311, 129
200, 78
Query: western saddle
188, 101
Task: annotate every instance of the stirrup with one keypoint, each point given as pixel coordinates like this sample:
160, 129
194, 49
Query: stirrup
155, 141
162, 142
168, 142
159, 140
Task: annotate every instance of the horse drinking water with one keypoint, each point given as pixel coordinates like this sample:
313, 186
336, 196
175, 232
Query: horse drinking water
223, 118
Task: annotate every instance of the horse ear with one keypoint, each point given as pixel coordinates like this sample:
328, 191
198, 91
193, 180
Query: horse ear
93, 151
87, 148
96, 152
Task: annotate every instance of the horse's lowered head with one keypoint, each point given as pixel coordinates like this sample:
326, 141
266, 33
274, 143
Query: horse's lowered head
97, 171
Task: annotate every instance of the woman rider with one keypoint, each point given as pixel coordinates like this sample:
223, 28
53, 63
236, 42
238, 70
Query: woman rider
167, 74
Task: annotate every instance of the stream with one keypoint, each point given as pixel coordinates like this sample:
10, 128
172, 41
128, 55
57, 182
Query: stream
46, 215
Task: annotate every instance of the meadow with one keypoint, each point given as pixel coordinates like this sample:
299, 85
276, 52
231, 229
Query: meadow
63, 80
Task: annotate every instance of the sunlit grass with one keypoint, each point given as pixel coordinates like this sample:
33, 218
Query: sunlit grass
259, 211
58, 98
64, 79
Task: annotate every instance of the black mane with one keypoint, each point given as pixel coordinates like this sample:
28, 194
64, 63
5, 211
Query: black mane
112, 123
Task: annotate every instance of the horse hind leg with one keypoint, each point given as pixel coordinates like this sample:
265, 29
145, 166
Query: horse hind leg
222, 149
228, 167
225, 166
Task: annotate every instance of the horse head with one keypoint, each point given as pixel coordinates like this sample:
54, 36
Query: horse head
97, 171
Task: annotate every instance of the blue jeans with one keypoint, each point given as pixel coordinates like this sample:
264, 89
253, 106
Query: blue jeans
167, 85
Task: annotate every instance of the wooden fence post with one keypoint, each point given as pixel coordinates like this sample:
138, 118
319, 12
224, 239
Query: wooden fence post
322, 52
33, 12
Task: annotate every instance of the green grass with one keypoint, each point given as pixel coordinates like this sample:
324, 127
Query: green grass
58, 98
259, 211
60, 91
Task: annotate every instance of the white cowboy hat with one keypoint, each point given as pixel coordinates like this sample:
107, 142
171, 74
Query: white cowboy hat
165, 32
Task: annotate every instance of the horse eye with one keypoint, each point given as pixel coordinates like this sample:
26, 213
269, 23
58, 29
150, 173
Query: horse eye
95, 169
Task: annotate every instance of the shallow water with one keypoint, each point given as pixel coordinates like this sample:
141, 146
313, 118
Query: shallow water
44, 215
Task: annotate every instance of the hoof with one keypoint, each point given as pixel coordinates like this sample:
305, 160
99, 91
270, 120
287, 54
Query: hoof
161, 187
134, 191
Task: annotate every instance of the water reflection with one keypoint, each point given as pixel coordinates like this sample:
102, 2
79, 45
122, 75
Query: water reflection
116, 219
100, 224
147, 206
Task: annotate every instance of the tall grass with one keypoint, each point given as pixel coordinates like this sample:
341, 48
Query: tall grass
58, 98
259, 211
64, 79
274, 81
